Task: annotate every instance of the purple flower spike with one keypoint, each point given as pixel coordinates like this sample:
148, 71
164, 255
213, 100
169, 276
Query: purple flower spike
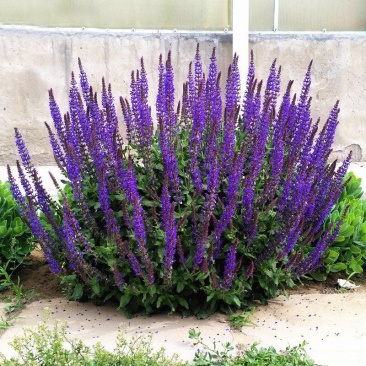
229, 269
170, 228
118, 278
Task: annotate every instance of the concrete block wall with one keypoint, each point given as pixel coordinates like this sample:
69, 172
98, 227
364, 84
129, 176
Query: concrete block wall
36, 59
338, 73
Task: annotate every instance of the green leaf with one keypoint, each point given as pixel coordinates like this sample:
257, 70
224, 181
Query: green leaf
124, 300
355, 249
109, 296
269, 273
355, 262
148, 203
363, 228
263, 283
183, 302
346, 230
3, 231
361, 244
337, 267
18, 230
318, 276
347, 255
78, 291
96, 288
356, 268
356, 220
363, 238
210, 296
340, 238
180, 287
17, 222
236, 301
332, 257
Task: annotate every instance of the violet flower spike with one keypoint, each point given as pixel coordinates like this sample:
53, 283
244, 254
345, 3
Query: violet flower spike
229, 269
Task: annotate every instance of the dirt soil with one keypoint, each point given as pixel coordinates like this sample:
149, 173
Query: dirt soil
329, 286
38, 277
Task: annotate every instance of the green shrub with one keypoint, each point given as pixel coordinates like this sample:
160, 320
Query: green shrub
52, 346
222, 355
348, 252
15, 237
260, 356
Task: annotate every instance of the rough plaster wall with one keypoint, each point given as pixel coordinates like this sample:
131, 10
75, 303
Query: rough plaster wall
34, 60
339, 73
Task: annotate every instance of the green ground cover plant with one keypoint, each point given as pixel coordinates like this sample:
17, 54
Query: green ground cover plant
48, 346
15, 238
222, 355
211, 207
348, 252
238, 320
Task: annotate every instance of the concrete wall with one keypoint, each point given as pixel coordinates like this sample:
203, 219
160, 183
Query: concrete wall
339, 73
34, 60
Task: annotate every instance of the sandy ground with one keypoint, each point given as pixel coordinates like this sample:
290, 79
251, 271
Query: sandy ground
332, 322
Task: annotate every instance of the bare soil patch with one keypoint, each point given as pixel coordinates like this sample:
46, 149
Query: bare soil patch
38, 277
329, 286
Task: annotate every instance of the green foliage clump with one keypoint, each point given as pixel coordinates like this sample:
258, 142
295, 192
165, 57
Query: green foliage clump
15, 237
222, 355
199, 292
239, 320
348, 252
259, 356
52, 346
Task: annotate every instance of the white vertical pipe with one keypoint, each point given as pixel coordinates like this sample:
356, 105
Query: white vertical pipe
275, 15
240, 35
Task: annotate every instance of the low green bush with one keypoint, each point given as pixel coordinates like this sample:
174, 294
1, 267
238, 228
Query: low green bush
348, 252
15, 236
52, 346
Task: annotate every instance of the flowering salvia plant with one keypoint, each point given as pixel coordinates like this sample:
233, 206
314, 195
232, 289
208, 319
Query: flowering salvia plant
208, 208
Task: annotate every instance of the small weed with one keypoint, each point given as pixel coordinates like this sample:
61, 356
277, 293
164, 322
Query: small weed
21, 296
14, 303
5, 323
218, 354
239, 320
